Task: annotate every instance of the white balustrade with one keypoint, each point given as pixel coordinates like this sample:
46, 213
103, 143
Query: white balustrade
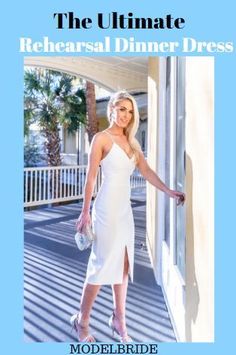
44, 185
137, 180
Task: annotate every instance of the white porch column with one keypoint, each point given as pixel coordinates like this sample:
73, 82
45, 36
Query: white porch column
155, 154
200, 199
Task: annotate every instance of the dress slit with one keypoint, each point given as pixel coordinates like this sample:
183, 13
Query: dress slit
126, 252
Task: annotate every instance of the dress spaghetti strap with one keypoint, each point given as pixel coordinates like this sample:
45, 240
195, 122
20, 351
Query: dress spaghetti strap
109, 134
114, 142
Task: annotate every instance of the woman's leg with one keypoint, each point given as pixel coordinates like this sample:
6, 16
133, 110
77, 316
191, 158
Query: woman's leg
119, 300
88, 297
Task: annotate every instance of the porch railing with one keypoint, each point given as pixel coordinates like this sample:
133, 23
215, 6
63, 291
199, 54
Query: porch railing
44, 185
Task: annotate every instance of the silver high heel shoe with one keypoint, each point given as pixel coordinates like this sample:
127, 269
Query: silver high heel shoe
77, 327
125, 338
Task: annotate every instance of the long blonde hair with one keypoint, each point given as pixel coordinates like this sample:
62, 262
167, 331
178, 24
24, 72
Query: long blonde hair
131, 130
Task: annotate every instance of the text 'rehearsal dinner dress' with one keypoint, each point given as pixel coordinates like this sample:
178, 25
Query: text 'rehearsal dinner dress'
112, 220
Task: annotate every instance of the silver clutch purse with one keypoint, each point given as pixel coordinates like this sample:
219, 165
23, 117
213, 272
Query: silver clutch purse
85, 238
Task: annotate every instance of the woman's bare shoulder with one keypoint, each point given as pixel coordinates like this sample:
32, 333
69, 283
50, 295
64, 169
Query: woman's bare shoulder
100, 138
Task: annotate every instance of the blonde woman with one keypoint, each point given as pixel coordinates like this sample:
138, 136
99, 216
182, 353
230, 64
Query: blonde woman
112, 256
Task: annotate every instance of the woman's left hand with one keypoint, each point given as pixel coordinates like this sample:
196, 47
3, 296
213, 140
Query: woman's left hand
179, 196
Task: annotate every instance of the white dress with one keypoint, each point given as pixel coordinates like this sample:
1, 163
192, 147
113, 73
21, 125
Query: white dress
112, 220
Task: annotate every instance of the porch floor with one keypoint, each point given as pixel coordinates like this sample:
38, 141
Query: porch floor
54, 274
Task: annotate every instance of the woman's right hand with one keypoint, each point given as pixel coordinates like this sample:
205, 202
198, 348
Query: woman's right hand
83, 220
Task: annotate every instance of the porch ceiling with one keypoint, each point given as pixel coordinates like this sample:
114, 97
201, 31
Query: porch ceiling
112, 73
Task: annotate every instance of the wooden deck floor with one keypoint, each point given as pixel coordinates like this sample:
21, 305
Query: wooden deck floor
54, 274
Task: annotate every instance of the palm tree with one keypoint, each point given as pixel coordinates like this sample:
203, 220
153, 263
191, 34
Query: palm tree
50, 101
92, 122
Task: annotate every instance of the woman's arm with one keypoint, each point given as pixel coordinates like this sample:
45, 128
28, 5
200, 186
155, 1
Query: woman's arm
94, 158
154, 179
